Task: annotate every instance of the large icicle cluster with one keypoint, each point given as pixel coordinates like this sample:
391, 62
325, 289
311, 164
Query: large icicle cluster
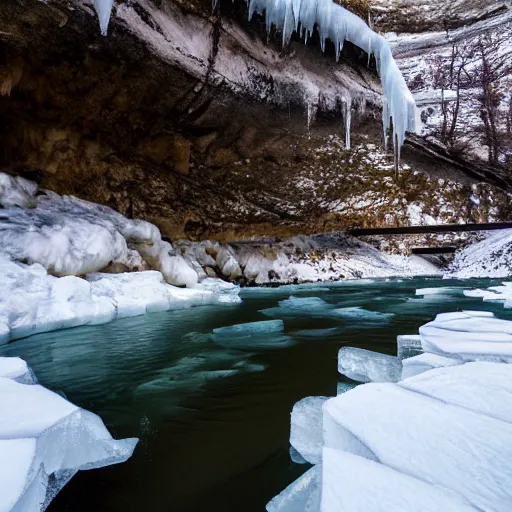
339, 25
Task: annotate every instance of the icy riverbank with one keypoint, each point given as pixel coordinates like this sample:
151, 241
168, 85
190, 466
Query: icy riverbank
420, 442
65, 262
45, 440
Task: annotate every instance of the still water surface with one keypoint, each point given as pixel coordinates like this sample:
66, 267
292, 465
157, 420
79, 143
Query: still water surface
213, 415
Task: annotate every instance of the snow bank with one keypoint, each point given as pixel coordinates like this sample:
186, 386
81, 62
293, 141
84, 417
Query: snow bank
33, 301
438, 440
45, 440
491, 257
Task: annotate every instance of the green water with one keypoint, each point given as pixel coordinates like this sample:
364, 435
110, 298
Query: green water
214, 420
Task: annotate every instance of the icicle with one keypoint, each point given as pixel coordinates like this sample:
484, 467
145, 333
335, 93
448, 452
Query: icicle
103, 9
338, 24
348, 120
311, 114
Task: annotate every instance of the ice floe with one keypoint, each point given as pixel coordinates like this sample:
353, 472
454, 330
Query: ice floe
501, 293
266, 334
45, 440
366, 366
439, 439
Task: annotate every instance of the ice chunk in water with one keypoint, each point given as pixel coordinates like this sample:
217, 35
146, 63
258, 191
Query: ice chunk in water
306, 434
481, 387
425, 362
367, 366
263, 327
359, 313
16, 369
469, 335
343, 387
300, 496
443, 444
351, 483
301, 306
251, 336
408, 345
46, 435
446, 290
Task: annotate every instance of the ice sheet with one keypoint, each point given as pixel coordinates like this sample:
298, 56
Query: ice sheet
366, 366
354, 484
408, 345
482, 387
16, 369
441, 444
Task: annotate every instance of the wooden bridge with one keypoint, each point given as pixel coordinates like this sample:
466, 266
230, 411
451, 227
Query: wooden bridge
438, 228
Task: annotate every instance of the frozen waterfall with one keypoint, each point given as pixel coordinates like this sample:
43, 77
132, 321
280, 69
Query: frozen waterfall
339, 25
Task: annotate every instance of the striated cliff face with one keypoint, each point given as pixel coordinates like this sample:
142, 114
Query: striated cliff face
190, 118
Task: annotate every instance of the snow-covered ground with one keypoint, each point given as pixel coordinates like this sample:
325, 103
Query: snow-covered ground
491, 257
421, 443
45, 440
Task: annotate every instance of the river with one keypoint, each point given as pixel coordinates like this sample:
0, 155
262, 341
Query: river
213, 413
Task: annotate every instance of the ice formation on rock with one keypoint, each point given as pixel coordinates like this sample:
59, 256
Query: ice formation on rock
45, 440
439, 440
339, 25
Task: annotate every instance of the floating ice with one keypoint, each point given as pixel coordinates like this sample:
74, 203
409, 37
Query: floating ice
443, 290
443, 444
408, 345
301, 496
300, 306
45, 440
367, 366
16, 369
306, 434
354, 484
359, 313
338, 24
485, 388
468, 335
494, 294
425, 362
263, 327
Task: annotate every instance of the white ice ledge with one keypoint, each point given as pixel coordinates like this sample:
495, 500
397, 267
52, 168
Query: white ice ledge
438, 440
45, 440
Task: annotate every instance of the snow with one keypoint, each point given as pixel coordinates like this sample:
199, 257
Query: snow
491, 257
427, 435
16, 369
32, 301
42, 435
468, 335
424, 362
366, 366
501, 293
338, 24
354, 484
466, 386
306, 434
